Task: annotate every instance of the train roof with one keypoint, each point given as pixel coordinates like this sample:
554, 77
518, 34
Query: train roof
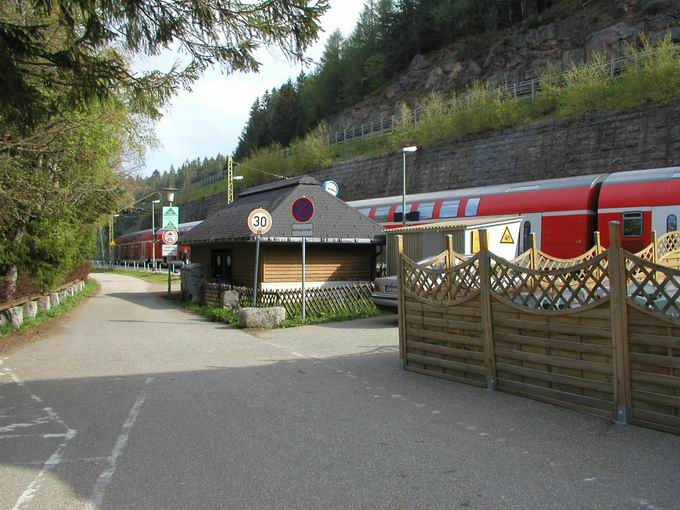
183, 227
585, 181
651, 175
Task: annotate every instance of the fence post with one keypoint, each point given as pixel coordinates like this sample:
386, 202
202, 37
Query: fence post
619, 325
402, 312
655, 252
598, 242
451, 254
487, 325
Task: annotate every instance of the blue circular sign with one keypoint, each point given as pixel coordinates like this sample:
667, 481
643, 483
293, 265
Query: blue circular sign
331, 187
303, 209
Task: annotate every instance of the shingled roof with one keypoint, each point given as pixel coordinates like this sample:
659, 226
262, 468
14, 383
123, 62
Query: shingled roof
334, 221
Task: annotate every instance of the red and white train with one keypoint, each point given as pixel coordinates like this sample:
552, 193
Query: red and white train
563, 213
138, 245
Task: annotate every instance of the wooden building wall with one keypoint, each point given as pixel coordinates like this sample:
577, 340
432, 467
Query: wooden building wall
327, 262
280, 263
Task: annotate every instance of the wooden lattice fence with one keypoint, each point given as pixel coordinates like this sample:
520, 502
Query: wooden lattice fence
600, 336
336, 300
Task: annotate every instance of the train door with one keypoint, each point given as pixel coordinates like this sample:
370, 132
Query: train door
530, 223
665, 219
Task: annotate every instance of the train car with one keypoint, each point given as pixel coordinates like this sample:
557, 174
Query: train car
138, 245
642, 200
562, 212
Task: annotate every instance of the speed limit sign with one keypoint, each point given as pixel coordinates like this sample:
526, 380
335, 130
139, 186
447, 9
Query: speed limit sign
259, 221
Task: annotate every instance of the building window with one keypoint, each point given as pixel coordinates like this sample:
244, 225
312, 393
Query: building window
381, 213
671, 223
632, 224
426, 209
526, 235
471, 207
449, 209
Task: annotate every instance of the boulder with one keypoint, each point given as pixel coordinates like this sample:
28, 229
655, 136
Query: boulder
231, 300
30, 309
261, 317
44, 303
16, 316
54, 299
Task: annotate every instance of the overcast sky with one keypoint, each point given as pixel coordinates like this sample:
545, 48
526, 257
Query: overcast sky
209, 119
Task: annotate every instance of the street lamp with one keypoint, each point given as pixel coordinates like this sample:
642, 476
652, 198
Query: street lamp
153, 231
170, 194
403, 189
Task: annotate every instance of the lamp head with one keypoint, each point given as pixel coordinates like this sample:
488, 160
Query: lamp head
170, 194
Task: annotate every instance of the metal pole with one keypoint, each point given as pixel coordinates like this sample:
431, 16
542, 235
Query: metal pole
153, 234
304, 262
403, 193
257, 268
169, 281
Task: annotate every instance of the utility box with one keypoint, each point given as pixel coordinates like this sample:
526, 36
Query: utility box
192, 278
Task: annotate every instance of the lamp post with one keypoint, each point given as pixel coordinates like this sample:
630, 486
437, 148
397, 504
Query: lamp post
153, 232
170, 197
403, 189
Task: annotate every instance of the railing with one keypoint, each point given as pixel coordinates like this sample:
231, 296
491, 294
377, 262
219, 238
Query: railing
336, 300
136, 265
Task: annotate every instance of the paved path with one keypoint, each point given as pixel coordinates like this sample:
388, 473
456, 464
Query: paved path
133, 403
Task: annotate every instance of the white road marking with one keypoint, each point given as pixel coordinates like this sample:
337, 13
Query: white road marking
30, 491
105, 477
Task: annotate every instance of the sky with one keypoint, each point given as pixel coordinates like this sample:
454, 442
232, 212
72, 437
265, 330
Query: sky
209, 119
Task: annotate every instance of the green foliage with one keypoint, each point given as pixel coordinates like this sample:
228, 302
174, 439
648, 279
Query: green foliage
159, 276
214, 313
43, 316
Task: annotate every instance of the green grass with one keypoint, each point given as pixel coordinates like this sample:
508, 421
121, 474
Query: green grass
218, 314
653, 79
157, 277
44, 316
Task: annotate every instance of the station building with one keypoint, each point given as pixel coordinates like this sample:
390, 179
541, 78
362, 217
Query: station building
343, 247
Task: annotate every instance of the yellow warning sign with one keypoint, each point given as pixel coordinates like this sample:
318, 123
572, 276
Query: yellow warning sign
113, 243
506, 238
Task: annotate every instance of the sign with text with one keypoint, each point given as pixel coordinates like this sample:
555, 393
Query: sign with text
302, 229
259, 221
169, 250
170, 218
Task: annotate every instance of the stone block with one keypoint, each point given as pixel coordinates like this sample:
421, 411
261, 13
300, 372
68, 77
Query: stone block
261, 317
30, 309
3, 319
231, 299
55, 299
16, 316
63, 296
44, 303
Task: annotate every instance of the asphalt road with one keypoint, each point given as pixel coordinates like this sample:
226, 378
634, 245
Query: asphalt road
133, 403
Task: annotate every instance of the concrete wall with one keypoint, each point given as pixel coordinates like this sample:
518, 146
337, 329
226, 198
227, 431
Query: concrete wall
599, 143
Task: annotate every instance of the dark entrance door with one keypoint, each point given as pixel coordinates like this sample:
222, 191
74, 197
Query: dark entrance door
221, 263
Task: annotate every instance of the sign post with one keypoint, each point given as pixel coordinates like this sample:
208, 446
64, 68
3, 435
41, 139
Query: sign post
259, 222
303, 211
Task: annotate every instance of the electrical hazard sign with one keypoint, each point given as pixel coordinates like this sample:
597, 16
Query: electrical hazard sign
506, 238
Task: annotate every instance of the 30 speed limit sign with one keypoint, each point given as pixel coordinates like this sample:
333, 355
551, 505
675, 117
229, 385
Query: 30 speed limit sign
259, 221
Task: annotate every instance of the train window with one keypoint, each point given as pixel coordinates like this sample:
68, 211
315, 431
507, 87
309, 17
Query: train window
632, 224
526, 236
449, 209
381, 213
398, 209
471, 207
426, 209
365, 211
671, 223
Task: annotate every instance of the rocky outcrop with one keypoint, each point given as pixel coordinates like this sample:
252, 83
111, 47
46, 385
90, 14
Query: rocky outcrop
519, 54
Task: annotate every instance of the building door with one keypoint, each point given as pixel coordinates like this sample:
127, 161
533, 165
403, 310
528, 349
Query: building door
221, 265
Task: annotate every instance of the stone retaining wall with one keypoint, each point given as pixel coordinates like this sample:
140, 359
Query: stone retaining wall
599, 143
